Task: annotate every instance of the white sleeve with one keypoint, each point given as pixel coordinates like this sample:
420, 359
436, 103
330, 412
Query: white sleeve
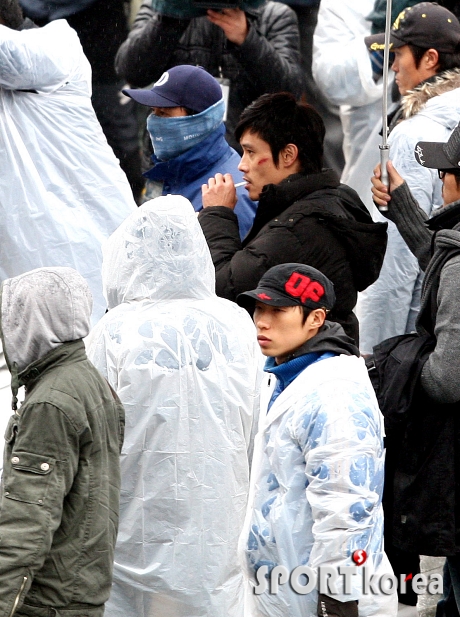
341, 63
424, 183
38, 59
344, 458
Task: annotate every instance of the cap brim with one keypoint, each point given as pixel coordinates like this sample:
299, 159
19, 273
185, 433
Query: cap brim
431, 154
150, 98
248, 298
376, 42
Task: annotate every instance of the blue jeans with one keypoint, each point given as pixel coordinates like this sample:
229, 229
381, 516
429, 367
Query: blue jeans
449, 606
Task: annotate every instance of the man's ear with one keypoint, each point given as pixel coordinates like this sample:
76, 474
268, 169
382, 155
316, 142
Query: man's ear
318, 318
430, 59
289, 156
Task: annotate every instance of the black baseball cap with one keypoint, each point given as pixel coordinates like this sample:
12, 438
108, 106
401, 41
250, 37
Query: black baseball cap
426, 25
291, 285
440, 155
181, 86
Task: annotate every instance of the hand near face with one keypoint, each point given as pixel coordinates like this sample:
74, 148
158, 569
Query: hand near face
379, 190
220, 191
233, 22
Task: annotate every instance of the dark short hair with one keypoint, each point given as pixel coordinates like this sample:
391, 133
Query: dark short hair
446, 61
307, 310
11, 14
279, 120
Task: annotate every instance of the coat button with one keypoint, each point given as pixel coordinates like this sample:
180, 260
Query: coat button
44, 466
15, 460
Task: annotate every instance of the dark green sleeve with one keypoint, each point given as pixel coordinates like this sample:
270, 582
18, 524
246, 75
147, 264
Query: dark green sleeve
41, 459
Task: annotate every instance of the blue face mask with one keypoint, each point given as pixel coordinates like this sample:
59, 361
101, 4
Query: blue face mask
172, 137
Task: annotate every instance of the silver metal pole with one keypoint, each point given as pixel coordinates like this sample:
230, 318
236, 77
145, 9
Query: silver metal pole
385, 148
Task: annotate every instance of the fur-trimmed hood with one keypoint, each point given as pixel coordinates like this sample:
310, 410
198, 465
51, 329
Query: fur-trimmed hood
415, 100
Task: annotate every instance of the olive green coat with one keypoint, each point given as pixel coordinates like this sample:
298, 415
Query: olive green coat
60, 489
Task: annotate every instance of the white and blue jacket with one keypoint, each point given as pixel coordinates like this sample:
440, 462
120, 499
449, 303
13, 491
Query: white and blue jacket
316, 485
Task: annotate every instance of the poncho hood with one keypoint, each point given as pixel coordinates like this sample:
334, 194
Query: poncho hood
158, 253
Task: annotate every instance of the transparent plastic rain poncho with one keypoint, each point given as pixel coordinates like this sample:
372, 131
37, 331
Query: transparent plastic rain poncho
185, 365
316, 487
62, 191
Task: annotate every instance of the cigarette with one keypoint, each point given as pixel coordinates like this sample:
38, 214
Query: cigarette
240, 184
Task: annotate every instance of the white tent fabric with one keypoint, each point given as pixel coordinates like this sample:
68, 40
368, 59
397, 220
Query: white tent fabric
185, 365
62, 191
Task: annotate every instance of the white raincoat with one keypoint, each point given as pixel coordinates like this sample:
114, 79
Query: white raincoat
184, 364
62, 190
343, 72
316, 486
390, 306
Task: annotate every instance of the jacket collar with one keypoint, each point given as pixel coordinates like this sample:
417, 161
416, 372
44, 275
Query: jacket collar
330, 338
74, 351
416, 99
193, 163
445, 218
276, 198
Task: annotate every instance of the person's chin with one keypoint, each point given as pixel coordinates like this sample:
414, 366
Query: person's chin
253, 192
265, 351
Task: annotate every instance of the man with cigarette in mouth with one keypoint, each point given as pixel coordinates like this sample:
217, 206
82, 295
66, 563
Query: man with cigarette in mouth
304, 214
187, 132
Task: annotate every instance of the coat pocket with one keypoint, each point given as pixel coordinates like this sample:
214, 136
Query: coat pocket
28, 477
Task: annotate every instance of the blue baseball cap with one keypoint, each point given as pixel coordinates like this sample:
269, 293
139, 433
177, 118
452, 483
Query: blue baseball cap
181, 86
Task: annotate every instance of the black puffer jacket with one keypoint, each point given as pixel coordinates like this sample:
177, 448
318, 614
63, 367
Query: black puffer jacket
310, 219
268, 60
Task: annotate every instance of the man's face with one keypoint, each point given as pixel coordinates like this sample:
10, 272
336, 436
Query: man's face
450, 189
258, 166
280, 330
408, 76
169, 112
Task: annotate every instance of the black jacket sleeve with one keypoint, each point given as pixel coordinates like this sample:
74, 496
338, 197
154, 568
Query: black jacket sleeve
270, 54
240, 268
146, 53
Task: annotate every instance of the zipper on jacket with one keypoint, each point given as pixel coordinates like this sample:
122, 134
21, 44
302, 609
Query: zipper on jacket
16, 602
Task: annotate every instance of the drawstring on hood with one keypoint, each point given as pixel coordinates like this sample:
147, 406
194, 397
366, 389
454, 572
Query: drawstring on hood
14, 386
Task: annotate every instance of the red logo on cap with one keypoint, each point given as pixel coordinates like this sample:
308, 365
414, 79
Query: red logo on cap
300, 286
263, 296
